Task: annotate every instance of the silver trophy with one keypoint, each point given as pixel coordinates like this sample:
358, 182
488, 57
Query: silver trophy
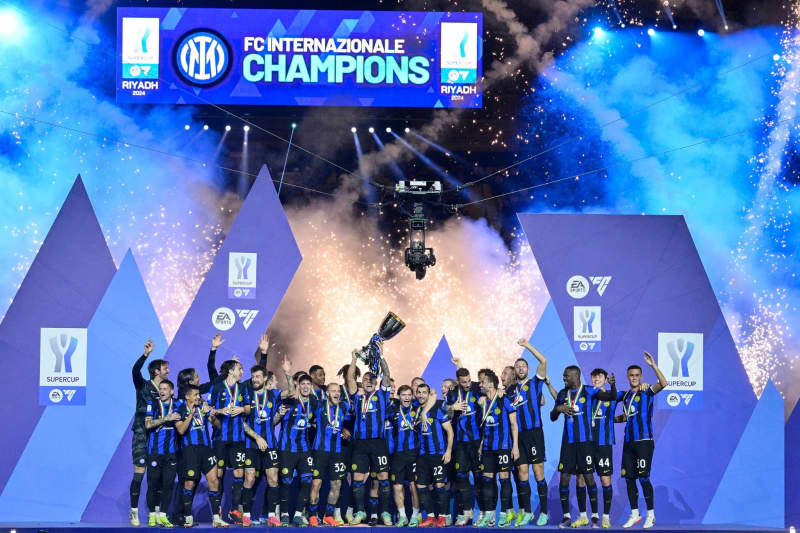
371, 354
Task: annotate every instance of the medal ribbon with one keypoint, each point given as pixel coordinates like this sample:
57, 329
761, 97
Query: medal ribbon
489, 409
328, 413
365, 403
303, 408
197, 417
629, 407
463, 399
520, 397
403, 415
597, 410
258, 409
234, 395
164, 413
573, 402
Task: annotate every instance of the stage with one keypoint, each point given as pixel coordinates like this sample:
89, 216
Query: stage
119, 528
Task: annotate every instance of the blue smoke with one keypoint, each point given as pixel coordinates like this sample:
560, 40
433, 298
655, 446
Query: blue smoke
720, 187
145, 200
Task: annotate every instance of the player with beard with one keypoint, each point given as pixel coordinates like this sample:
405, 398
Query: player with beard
261, 451
499, 449
528, 397
462, 404
327, 449
436, 445
146, 392
295, 452
370, 452
231, 401
347, 445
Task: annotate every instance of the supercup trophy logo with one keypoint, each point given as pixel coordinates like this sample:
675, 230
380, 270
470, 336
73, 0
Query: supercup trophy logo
242, 265
371, 354
680, 352
587, 318
63, 346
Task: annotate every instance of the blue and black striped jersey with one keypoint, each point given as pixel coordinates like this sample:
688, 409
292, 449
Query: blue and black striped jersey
402, 420
222, 396
603, 421
263, 405
433, 441
466, 424
496, 423
578, 427
295, 423
638, 409
330, 419
197, 432
527, 400
161, 439
370, 412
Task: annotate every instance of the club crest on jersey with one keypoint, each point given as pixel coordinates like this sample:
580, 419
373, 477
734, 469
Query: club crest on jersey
472, 400
240, 398
354, 467
525, 388
190, 473
607, 404
269, 404
247, 462
497, 411
582, 400
316, 472
638, 398
221, 462
284, 470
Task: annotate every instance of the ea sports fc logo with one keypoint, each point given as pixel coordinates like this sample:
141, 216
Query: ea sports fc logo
202, 58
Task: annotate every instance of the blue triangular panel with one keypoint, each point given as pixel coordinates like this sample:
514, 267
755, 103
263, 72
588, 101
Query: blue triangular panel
439, 367
749, 493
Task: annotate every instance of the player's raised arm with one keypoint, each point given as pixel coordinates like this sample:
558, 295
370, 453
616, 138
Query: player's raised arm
211, 365
541, 369
136, 371
387, 376
350, 375
290, 391
662, 381
261, 351
610, 395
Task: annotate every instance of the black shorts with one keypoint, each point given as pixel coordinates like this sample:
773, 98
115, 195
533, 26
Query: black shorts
404, 466
430, 469
289, 462
465, 457
496, 461
329, 465
603, 464
260, 461
347, 451
229, 454
370, 455
637, 458
196, 459
531, 447
139, 446
576, 458
162, 460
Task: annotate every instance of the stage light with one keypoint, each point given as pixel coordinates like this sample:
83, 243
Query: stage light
9, 22
776, 57
228, 127
294, 125
408, 130
651, 32
701, 32
726, 27
674, 26
205, 127
186, 127
353, 129
598, 31
246, 127
388, 130
371, 129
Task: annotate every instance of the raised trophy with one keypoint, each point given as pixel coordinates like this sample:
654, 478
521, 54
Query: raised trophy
371, 354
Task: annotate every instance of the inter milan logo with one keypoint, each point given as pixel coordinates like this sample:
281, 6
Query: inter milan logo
203, 58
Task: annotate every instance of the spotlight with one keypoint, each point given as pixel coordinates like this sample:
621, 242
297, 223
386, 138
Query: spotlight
246, 127
674, 26
598, 31
371, 129
388, 130
651, 32
205, 127
701, 32
228, 127
353, 129
726, 27
9, 22
186, 127
408, 130
294, 125
776, 57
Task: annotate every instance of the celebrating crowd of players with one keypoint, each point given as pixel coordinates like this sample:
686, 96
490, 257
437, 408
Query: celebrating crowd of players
446, 453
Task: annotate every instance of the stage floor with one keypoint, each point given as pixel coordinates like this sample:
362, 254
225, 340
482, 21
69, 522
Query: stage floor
124, 528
